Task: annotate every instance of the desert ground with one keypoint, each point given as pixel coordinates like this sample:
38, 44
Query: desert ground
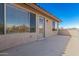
72, 48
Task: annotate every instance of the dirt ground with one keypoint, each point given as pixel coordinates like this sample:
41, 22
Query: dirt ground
72, 48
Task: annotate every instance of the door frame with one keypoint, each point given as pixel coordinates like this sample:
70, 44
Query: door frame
38, 32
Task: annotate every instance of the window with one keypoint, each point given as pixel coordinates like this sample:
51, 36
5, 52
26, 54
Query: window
53, 26
17, 19
32, 22
1, 18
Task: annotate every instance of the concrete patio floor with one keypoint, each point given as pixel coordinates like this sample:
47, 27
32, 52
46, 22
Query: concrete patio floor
53, 46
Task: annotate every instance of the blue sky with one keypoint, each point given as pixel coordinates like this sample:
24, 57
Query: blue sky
67, 12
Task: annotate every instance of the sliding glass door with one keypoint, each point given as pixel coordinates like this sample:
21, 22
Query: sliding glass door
1, 18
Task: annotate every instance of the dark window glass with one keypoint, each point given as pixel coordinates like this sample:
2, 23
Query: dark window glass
53, 26
32, 22
1, 18
17, 19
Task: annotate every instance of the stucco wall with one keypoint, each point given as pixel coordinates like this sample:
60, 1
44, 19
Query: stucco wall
11, 40
64, 32
48, 28
68, 32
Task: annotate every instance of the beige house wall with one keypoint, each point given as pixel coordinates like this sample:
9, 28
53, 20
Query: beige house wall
48, 28
11, 40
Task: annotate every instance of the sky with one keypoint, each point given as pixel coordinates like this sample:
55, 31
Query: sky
67, 12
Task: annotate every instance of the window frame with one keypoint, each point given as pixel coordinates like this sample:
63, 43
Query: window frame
34, 22
54, 26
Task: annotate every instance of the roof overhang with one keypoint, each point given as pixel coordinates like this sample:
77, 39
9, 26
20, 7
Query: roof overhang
44, 11
35, 8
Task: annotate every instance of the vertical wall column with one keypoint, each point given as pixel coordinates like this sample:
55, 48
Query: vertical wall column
57, 27
4, 18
